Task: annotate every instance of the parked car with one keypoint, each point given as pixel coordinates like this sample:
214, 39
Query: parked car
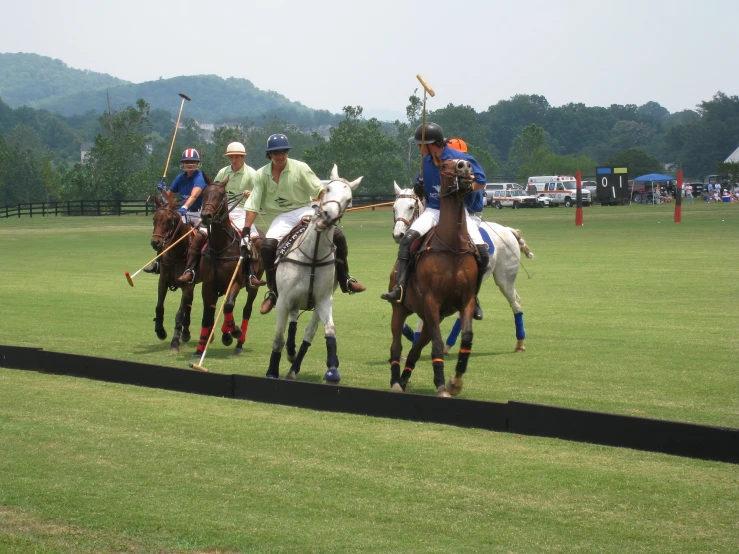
491, 187
592, 186
517, 198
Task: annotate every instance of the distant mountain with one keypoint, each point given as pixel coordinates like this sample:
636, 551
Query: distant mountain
43, 83
28, 78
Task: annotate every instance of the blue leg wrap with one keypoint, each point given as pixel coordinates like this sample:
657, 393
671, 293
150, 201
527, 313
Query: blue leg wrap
454, 333
520, 333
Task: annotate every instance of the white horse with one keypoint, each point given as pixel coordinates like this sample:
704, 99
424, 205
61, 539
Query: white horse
505, 257
306, 280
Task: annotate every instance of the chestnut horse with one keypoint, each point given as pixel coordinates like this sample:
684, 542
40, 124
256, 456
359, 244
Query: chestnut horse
443, 283
168, 228
217, 264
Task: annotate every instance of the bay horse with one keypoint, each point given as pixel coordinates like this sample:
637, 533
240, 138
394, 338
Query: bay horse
168, 228
217, 265
442, 283
306, 280
505, 246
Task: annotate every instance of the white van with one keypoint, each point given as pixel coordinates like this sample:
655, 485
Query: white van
562, 189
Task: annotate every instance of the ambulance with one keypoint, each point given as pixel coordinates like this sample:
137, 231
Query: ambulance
562, 189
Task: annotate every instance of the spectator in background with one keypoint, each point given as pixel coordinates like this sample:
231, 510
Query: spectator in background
689, 194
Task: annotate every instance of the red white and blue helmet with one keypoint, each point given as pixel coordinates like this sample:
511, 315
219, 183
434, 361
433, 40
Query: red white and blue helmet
277, 142
190, 155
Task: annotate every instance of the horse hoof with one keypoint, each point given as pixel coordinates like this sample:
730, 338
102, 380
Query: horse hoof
227, 339
161, 335
290, 376
455, 385
272, 376
447, 348
196, 355
396, 388
174, 350
236, 333
291, 356
185, 336
520, 347
238, 351
441, 392
332, 376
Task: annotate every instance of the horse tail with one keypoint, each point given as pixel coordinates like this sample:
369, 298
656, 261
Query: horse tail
522, 244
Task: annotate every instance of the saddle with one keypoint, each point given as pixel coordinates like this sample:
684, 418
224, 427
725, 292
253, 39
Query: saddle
425, 243
289, 240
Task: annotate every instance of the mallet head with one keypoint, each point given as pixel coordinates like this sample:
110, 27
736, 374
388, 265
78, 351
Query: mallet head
186, 97
128, 278
198, 367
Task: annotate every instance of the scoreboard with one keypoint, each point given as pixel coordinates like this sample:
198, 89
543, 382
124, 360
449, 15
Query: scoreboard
612, 185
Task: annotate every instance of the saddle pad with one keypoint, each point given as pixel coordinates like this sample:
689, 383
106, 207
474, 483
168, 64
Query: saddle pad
287, 242
488, 240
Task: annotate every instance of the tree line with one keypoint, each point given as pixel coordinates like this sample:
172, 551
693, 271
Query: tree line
522, 136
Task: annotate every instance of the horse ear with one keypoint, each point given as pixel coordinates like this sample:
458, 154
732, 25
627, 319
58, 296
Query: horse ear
398, 190
334, 173
355, 183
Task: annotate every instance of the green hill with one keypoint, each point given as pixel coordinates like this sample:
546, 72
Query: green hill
29, 78
45, 83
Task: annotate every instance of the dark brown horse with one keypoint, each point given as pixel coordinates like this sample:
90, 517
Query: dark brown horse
442, 284
168, 228
217, 264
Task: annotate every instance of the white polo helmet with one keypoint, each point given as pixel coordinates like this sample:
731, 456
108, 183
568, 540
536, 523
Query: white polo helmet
235, 149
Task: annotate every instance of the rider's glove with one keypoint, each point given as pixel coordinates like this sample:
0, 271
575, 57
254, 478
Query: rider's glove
182, 211
418, 188
162, 186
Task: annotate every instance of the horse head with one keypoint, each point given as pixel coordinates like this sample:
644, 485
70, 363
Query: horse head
215, 204
336, 197
166, 221
456, 177
406, 209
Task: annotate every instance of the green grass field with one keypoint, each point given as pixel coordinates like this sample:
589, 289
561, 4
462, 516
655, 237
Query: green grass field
630, 313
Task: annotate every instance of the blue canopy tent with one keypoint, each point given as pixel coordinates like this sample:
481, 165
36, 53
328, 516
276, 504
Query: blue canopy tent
654, 178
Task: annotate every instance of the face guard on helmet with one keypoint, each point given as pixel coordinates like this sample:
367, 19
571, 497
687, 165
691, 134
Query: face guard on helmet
190, 159
434, 133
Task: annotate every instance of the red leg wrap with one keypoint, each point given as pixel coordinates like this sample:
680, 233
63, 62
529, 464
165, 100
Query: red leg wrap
204, 334
244, 326
228, 323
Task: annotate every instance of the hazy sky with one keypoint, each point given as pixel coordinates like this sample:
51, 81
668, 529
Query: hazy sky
327, 53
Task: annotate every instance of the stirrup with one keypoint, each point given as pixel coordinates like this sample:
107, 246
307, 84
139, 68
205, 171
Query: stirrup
185, 280
390, 295
270, 299
349, 287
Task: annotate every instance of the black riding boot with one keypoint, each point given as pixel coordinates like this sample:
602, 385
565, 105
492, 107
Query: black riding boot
153, 267
269, 253
482, 264
404, 259
347, 283
193, 258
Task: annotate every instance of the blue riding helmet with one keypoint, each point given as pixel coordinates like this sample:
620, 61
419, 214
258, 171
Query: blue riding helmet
190, 155
277, 142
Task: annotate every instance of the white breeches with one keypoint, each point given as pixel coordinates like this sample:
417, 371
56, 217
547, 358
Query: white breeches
283, 223
430, 217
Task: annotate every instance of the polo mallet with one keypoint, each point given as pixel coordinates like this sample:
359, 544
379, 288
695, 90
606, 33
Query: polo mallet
130, 277
426, 89
199, 365
176, 125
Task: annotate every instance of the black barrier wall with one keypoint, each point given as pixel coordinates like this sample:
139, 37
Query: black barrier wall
668, 437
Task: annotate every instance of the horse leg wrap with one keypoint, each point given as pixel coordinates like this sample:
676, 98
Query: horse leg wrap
394, 371
228, 323
463, 357
244, 327
407, 372
204, 334
274, 365
454, 333
332, 360
292, 330
520, 333
302, 351
408, 332
438, 366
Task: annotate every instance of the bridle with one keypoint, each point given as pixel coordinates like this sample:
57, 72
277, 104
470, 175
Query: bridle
342, 205
216, 209
173, 225
416, 209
